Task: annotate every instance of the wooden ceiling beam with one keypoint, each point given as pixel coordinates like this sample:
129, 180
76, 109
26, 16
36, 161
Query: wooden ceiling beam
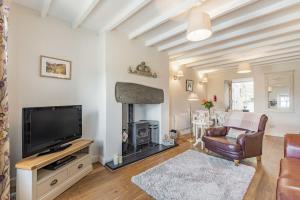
236, 21
263, 25
85, 13
271, 48
125, 14
275, 55
253, 64
233, 22
239, 42
166, 35
46, 8
215, 13
292, 58
181, 8
256, 45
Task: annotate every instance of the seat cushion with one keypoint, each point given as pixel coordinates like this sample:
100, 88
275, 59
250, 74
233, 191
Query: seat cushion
292, 146
290, 168
225, 143
288, 189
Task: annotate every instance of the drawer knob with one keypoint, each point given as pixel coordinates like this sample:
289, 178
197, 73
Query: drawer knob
53, 182
80, 166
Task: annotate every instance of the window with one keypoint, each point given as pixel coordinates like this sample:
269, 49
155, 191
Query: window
243, 95
284, 101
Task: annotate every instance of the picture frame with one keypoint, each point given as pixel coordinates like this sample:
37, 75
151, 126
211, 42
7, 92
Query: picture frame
55, 68
189, 85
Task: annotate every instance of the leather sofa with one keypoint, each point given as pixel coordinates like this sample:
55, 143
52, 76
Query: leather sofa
245, 146
288, 183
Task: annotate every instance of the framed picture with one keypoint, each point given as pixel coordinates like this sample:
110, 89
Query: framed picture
189, 85
55, 68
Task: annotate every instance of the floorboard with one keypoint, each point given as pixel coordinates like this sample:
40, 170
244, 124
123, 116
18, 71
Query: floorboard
102, 184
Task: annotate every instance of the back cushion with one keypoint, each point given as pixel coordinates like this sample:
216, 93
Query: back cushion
234, 133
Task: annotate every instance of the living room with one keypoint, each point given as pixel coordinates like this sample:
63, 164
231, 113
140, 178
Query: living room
142, 106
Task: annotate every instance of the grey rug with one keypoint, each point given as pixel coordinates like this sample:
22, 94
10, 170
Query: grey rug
196, 176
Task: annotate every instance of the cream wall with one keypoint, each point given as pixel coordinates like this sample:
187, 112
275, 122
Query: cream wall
279, 123
31, 36
120, 53
178, 94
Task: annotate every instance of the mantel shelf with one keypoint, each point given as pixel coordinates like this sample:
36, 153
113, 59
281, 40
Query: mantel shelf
37, 162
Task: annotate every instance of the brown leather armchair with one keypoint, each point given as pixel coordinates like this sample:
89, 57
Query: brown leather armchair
245, 146
288, 183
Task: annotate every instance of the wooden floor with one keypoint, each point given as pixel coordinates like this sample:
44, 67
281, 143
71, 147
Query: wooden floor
101, 184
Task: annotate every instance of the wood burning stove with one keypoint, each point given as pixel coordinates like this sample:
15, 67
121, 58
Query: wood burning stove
139, 134
143, 132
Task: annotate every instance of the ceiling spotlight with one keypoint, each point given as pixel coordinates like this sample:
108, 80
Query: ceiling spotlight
199, 25
244, 68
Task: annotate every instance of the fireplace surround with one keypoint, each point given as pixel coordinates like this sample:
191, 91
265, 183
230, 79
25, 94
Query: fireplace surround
141, 122
142, 129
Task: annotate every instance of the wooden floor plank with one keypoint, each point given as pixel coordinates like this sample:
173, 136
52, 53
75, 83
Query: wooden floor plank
104, 184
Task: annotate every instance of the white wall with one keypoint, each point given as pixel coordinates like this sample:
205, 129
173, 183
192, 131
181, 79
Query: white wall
147, 112
179, 95
279, 123
31, 36
98, 62
120, 53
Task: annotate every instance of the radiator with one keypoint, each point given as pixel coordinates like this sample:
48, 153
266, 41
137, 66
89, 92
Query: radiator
181, 121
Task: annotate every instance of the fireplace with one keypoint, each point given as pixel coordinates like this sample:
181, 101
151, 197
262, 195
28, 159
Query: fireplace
143, 122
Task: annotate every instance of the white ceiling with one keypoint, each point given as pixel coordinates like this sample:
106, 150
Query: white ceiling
256, 31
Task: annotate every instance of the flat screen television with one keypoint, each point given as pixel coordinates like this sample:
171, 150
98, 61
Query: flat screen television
49, 128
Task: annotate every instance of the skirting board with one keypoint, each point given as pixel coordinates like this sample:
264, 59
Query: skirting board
275, 134
96, 158
184, 132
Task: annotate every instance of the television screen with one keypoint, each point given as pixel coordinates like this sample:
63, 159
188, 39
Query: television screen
45, 127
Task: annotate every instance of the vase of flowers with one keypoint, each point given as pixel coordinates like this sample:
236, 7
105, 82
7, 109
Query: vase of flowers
208, 104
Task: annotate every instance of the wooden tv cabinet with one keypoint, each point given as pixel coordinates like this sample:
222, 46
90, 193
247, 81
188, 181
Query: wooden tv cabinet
36, 183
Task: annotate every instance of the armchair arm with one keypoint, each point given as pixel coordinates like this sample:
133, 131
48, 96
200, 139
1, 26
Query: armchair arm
251, 143
216, 132
292, 145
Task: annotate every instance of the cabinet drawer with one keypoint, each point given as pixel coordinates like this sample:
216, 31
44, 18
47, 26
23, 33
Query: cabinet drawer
80, 165
51, 183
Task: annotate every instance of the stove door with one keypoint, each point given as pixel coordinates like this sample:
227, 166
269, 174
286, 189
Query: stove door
143, 135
